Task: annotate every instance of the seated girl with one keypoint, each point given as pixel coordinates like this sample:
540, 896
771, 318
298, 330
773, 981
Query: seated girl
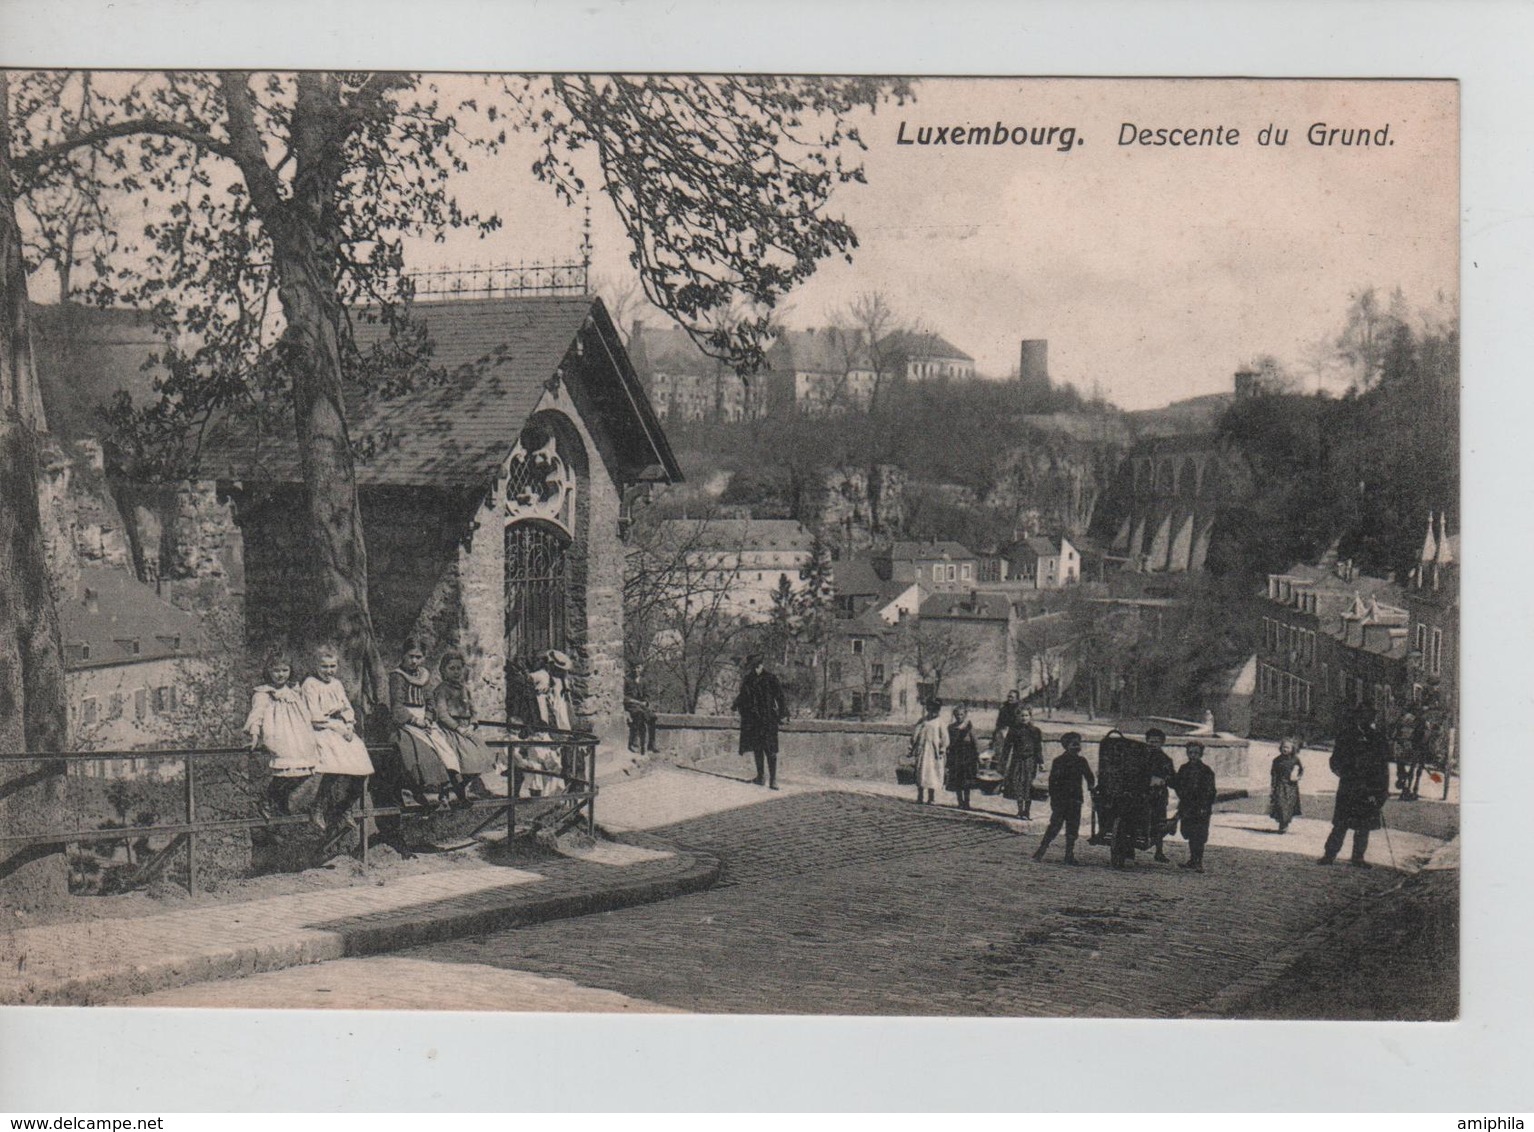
341, 758
454, 710
429, 756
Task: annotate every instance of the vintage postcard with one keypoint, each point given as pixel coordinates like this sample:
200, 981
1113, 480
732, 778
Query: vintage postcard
730, 544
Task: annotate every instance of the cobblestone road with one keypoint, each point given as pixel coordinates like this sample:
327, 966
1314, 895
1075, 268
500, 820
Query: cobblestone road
854, 904
837, 903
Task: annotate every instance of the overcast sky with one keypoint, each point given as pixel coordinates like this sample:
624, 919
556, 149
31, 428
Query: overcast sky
1154, 270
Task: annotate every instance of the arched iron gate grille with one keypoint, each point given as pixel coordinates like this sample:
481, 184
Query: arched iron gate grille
537, 591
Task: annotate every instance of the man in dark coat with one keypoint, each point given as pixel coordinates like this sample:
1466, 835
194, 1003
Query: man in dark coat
1066, 775
1361, 762
1194, 783
1161, 769
1007, 717
1024, 756
636, 703
762, 707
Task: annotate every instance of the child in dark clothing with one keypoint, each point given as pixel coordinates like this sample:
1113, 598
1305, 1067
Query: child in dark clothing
1066, 775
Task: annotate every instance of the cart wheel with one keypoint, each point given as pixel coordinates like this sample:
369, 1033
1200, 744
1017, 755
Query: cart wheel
1116, 852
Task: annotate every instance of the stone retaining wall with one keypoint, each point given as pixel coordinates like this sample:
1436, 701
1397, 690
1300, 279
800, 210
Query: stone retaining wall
838, 749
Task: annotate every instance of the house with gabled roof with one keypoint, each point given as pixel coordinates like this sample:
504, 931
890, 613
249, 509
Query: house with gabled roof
490, 497
128, 657
1046, 563
924, 356
938, 564
831, 368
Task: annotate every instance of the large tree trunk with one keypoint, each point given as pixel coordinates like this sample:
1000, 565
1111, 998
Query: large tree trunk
302, 225
33, 700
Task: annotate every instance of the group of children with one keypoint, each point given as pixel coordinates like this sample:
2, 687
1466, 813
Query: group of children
309, 732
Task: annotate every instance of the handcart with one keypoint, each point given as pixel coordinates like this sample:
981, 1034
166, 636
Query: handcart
1123, 811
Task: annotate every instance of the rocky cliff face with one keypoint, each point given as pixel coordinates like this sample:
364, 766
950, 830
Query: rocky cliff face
862, 506
179, 538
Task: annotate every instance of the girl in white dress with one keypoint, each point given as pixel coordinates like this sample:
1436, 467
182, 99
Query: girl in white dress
929, 747
279, 723
342, 758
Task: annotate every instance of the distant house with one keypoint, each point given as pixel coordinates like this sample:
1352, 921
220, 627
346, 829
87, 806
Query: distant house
748, 560
128, 655
860, 587
831, 369
684, 383
1049, 564
1432, 603
1329, 638
923, 357
937, 565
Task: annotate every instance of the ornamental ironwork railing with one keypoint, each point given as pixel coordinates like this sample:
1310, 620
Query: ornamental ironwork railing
507, 279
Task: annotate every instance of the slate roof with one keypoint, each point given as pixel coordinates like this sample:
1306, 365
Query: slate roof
107, 611
1037, 545
967, 607
748, 534
499, 353
668, 349
922, 346
830, 349
915, 551
85, 356
857, 576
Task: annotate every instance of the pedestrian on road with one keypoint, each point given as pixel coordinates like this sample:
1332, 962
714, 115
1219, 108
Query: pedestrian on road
1023, 759
1194, 783
1284, 783
1361, 762
963, 763
1008, 716
929, 749
341, 758
278, 723
1161, 769
641, 718
1066, 775
762, 707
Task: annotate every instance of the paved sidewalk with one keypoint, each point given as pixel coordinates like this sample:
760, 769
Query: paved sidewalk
92, 961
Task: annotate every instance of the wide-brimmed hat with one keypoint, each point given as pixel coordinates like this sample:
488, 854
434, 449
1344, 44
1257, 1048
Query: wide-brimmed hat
557, 659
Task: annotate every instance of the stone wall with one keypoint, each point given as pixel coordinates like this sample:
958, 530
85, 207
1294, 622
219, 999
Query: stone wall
835, 749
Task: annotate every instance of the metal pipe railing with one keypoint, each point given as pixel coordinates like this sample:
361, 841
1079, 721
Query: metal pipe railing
577, 773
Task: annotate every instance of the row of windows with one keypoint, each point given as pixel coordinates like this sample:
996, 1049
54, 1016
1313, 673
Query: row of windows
1281, 637
160, 701
1290, 692
1431, 651
952, 572
834, 672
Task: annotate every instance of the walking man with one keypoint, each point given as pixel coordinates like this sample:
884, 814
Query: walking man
1066, 775
762, 707
1194, 783
1361, 762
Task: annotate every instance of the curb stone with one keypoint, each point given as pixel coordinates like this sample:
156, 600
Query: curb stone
371, 934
